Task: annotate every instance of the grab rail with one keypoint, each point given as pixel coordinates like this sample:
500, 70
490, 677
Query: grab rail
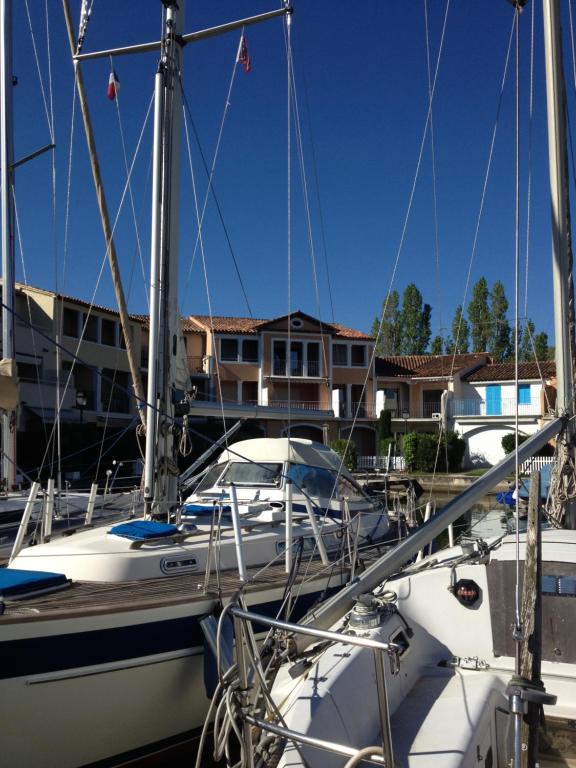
377, 647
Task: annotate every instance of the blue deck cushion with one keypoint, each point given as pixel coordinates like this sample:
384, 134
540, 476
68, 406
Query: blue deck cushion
142, 530
506, 497
203, 509
17, 583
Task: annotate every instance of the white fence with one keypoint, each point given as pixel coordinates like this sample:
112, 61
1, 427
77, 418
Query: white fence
535, 463
379, 463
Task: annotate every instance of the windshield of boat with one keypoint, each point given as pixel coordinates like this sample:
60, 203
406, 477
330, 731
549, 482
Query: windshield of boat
245, 473
313, 480
210, 479
319, 482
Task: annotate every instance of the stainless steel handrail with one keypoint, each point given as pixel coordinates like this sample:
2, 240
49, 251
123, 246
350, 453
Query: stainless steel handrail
377, 647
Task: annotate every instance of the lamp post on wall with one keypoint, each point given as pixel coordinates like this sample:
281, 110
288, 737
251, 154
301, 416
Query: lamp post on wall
405, 415
81, 402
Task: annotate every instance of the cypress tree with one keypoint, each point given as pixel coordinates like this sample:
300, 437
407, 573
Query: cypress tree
389, 340
479, 317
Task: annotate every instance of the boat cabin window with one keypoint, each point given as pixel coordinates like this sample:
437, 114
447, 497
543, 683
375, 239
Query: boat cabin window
315, 481
245, 473
210, 478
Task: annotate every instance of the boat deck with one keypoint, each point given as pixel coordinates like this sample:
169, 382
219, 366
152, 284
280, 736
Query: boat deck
82, 597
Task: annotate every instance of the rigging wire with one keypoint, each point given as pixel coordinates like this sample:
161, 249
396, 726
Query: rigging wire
303, 178
130, 193
432, 91
213, 344
287, 32
318, 195
210, 186
436, 227
518, 629
35, 350
484, 189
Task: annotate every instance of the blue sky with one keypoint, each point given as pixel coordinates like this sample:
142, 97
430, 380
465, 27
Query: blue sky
362, 89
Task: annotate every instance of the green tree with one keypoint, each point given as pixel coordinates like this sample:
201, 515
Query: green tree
541, 349
479, 317
459, 342
422, 453
525, 353
384, 429
388, 342
414, 322
437, 346
347, 451
500, 346
534, 346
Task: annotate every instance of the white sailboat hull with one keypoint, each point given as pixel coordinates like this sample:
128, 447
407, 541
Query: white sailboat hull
107, 685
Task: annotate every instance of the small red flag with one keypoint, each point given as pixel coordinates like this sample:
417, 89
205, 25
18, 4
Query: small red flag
243, 55
113, 86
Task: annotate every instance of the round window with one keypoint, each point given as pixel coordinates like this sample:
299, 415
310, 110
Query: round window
296, 322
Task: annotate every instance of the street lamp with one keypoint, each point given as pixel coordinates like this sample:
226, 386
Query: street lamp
405, 415
81, 402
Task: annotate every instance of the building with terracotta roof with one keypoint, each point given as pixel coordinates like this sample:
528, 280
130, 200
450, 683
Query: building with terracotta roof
291, 372
467, 394
489, 403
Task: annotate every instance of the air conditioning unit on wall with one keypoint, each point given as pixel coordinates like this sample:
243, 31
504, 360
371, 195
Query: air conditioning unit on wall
437, 416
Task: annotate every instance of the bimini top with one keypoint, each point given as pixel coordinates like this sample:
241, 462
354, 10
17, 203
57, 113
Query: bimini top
294, 449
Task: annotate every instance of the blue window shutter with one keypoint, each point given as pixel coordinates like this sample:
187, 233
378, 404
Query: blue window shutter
524, 394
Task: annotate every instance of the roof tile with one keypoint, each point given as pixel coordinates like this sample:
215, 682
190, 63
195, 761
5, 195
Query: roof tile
506, 371
426, 366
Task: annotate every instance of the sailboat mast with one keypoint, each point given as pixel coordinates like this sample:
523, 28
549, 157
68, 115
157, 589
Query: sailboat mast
160, 471
561, 231
7, 223
560, 203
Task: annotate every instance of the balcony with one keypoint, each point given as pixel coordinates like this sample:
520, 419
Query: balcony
200, 365
503, 407
298, 405
310, 369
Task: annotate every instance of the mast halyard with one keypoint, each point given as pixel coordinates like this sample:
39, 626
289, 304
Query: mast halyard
7, 223
161, 469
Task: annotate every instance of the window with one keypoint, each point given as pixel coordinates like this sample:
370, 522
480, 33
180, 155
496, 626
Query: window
279, 358
313, 354
239, 350
340, 354
524, 394
90, 327
296, 358
108, 332
250, 351
28, 371
70, 322
250, 392
229, 349
315, 481
114, 391
358, 354
245, 473
210, 478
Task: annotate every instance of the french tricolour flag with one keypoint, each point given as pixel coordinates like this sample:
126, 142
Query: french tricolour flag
113, 86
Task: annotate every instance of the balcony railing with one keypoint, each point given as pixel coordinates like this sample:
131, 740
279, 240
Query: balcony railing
302, 368
303, 405
429, 408
504, 407
200, 365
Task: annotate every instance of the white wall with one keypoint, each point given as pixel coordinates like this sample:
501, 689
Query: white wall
484, 442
